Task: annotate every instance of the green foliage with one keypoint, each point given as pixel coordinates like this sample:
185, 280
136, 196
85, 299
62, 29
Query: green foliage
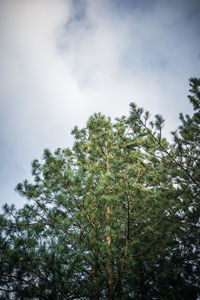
115, 217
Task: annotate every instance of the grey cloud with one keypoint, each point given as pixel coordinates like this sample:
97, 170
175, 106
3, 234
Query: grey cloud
63, 60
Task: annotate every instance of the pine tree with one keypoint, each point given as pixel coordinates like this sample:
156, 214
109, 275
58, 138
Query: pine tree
115, 217
182, 164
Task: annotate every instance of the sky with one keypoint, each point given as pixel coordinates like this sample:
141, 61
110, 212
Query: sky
63, 60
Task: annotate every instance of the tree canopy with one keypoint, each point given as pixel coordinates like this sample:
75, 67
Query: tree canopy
115, 217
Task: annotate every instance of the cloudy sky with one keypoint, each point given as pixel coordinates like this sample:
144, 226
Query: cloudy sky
63, 60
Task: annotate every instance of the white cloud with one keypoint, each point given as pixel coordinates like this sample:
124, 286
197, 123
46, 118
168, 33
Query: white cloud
34, 80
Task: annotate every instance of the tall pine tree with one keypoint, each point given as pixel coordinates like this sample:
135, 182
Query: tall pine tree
115, 217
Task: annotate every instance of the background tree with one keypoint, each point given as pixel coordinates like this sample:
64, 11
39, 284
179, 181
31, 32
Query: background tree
182, 164
115, 217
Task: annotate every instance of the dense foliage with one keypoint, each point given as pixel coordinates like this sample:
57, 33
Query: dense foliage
115, 217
